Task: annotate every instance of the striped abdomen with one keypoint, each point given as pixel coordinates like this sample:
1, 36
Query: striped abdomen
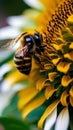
23, 64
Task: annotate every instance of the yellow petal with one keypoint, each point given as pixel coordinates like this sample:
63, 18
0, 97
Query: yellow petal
41, 84
47, 66
63, 67
70, 19
40, 20
69, 55
71, 91
49, 91
51, 5
34, 13
26, 95
66, 80
51, 76
69, 31
63, 98
11, 64
33, 105
49, 9
58, 47
47, 113
26, 91
34, 65
55, 61
71, 101
47, 3
71, 45
14, 77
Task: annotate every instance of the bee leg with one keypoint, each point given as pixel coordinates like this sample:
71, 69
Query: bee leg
36, 57
41, 48
38, 51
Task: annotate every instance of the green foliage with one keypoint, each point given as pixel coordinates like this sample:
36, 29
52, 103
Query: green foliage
11, 110
35, 115
12, 123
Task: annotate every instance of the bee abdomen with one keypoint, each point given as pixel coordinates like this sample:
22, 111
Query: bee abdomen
24, 69
23, 65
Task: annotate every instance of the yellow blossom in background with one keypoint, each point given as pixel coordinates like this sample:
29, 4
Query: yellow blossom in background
50, 89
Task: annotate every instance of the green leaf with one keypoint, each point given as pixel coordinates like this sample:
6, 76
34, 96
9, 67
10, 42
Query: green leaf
35, 115
10, 57
70, 24
11, 110
11, 123
67, 36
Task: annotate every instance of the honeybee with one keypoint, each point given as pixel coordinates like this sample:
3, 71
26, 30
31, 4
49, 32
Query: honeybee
30, 46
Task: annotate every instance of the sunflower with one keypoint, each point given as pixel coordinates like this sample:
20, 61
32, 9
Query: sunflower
52, 90
47, 99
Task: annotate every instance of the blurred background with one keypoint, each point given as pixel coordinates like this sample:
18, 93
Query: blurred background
10, 8
10, 117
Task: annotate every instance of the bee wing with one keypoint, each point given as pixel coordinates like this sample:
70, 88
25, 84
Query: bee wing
22, 52
11, 42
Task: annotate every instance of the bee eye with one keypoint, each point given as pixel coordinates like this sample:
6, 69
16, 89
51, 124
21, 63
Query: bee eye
38, 39
29, 40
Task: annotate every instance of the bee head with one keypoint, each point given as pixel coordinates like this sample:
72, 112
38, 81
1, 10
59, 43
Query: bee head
38, 39
29, 41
